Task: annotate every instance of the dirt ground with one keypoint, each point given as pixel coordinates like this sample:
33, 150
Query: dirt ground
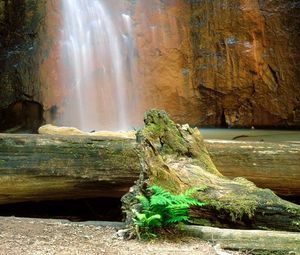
24, 236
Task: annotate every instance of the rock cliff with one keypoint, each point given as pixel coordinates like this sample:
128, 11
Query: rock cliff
209, 63
246, 61
21, 28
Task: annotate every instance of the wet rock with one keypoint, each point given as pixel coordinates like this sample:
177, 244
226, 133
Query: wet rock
246, 61
21, 22
208, 63
21, 117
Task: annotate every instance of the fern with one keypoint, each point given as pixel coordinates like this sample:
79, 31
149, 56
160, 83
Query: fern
191, 191
162, 209
142, 220
144, 202
177, 219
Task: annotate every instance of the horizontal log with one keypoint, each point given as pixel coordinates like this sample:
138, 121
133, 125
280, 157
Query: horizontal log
43, 167
169, 155
269, 165
250, 240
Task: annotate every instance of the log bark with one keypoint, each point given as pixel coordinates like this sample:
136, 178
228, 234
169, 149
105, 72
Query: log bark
175, 158
164, 154
269, 165
44, 167
66, 156
255, 241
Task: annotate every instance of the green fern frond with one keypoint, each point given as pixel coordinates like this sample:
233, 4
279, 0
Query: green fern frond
177, 219
178, 207
140, 219
144, 202
143, 220
182, 199
154, 220
176, 210
197, 203
163, 208
159, 191
159, 200
192, 191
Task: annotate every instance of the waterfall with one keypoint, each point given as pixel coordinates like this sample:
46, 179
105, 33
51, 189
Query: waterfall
94, 69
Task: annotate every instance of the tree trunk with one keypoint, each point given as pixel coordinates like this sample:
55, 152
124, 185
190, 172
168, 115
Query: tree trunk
176, 158
172, 156
43, 167
269, 165
255, 241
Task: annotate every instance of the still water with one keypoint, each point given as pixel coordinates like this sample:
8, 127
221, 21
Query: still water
251, 134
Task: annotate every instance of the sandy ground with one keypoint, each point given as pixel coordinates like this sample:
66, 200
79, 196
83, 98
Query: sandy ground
24, 236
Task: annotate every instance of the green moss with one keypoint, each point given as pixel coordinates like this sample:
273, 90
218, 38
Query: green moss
294, 211
296, 223
236, 208
170, 139
233, 205
162, 130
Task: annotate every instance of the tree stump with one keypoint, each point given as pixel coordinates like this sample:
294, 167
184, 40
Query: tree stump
175, 158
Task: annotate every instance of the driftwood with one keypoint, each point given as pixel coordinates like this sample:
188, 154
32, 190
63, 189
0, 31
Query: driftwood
173, 156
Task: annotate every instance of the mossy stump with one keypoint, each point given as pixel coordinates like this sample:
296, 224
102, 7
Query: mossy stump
175, 158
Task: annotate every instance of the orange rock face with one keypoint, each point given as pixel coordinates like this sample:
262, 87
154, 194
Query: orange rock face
160, 67
52, 90
208, 63
246, 61
163, 62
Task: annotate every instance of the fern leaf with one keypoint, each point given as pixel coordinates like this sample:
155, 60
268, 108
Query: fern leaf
154, 221
176, 210
197, 203
178, 206
144, 201
140, 219
140, 216
182, 199
163, 208
159, 191
190, 192
159, 200
177, 219
179, 199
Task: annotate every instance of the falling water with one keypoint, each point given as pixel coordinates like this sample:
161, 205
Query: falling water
116, 60
94, 67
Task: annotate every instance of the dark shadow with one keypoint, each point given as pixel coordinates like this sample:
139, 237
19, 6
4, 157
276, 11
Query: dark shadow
96, 209
293, 199
223, 121
21, 117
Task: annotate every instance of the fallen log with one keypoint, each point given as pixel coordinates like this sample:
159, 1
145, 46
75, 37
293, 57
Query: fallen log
254, 241
166, 154
43, 167
269, 165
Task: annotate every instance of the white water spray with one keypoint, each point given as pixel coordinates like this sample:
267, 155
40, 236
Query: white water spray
94, 70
